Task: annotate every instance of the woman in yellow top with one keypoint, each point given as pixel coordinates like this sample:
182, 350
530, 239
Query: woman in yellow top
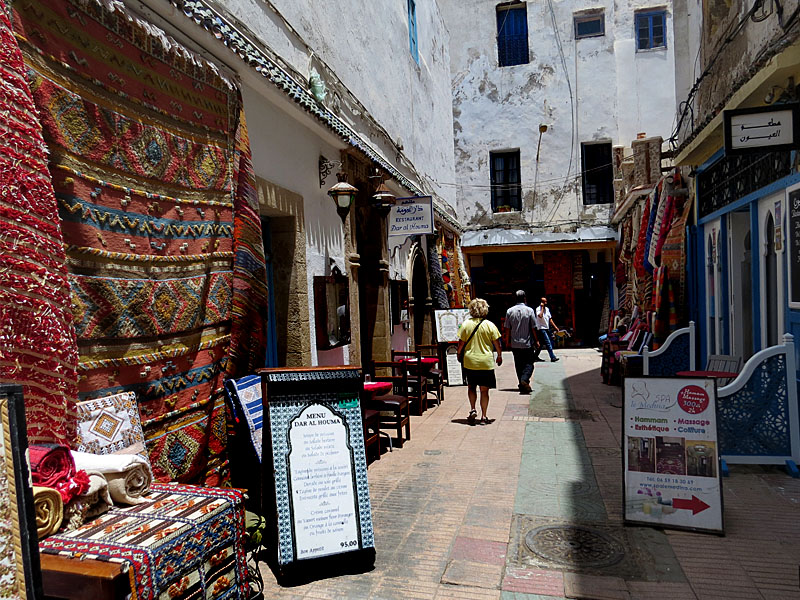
478, 358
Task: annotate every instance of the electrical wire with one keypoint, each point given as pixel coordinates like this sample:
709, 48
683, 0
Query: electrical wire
490, 186
728, 38
571, 105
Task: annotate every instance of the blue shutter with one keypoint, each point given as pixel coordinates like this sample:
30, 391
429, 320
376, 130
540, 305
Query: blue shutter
512, 36
412, 29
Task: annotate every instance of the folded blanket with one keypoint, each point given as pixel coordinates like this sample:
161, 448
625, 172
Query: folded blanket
49, 509
128, 475
52, 466
93, 503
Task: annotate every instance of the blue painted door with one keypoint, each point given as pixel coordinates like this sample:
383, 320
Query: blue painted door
271, 359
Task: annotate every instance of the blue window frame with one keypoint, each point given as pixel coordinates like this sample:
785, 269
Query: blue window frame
590, 25
512, 35
506, 186
412, 30
651, 30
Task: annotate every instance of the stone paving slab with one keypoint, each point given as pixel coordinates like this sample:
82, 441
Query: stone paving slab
446, 506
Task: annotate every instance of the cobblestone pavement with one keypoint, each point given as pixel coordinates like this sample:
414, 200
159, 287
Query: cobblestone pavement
530, 507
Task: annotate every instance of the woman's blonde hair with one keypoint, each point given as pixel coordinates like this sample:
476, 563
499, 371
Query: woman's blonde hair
478, 308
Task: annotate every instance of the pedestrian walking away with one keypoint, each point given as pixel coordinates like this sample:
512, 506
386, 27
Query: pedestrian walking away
520, 333
543, 322
478, 337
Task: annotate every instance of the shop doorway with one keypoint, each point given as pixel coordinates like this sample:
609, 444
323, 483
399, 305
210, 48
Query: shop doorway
419, 296
271, 359
713, 289
771, 267
741, 284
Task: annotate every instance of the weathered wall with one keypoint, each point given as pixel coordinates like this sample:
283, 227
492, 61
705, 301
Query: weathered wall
732, 48
366, 45
617, 93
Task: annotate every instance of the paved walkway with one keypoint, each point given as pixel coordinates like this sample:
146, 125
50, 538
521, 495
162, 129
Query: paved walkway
458, 509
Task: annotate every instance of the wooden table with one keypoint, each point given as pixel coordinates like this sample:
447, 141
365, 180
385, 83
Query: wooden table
72, 579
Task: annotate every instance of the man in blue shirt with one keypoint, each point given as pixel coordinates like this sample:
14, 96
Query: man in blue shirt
520, 327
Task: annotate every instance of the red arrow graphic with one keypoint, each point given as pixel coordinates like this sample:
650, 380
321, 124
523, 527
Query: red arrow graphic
695, 504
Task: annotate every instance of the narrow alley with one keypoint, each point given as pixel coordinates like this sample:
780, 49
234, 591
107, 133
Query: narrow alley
530, 507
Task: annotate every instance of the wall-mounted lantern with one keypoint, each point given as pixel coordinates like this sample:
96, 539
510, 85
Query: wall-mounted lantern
343, 194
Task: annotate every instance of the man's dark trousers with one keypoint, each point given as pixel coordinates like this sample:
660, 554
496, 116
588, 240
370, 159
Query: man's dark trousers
523, 363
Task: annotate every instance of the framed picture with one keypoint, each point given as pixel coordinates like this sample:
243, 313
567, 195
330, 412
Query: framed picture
20, 575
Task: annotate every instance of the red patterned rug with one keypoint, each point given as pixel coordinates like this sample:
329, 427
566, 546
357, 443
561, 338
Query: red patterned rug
37, 341
150, 164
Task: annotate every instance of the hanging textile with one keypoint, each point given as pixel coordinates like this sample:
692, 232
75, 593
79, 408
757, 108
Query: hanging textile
641, 242
150, 162
451, 263
37, 340
440, 301
673, 252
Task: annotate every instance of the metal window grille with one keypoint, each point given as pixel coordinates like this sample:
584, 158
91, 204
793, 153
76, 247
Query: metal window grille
512, 35
506, 185
597, 175
733, 177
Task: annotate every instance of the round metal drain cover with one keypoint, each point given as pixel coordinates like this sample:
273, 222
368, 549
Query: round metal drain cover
573, 545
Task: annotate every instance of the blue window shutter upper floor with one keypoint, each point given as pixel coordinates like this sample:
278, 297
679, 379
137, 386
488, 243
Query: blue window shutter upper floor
512, 35
412, 29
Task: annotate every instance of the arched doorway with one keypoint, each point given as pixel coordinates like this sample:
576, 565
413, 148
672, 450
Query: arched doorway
419, 300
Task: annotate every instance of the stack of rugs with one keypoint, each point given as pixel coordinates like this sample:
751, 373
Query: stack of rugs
174, 541
72, 487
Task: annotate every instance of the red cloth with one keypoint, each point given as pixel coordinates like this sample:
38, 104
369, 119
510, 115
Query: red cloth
378, 387
52, 466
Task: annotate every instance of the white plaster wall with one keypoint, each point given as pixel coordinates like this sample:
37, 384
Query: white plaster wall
286, 152
366, 44
617, 93
688, 30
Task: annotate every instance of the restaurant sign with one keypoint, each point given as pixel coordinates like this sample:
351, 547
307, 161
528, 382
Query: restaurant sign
762, 129
314, 457
410, 216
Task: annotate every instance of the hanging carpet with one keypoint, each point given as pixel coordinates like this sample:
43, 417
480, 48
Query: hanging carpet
37, 341
150, 165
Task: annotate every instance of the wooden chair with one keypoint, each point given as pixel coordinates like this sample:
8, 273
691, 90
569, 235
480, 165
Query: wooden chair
394, 408
371, 419
436, 374
417, 379
724, 362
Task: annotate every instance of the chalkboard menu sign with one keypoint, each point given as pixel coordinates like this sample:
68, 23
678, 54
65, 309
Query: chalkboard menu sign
314, 454
793, 244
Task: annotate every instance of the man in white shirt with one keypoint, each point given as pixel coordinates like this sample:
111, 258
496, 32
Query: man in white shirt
543, 321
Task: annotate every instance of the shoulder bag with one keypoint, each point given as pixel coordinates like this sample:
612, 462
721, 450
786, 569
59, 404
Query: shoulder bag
460, 355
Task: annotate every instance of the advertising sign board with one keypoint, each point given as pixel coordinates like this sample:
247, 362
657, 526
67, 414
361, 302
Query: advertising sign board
670, 453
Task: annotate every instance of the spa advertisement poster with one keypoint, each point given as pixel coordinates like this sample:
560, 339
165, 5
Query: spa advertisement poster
670, 453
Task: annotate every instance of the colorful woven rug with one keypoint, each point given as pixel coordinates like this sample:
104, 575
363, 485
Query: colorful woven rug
37, 341
184, 542
150, 164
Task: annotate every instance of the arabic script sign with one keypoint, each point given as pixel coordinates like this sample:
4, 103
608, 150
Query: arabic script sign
761, 129
410, 216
